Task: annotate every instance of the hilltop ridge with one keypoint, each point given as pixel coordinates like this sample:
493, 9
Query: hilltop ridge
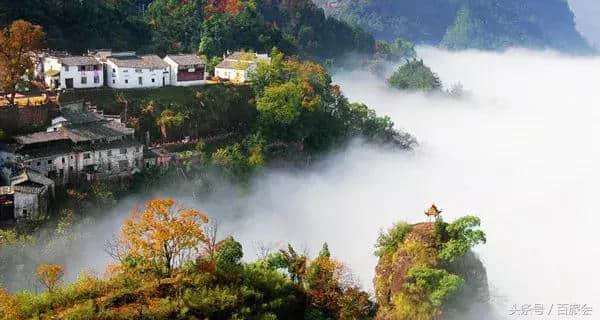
460, 24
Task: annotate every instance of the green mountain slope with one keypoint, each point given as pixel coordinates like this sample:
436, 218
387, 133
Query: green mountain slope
486, 24
296, 27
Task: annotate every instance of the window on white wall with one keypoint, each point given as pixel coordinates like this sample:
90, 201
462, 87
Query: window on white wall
96, 79
126, 81
83, 80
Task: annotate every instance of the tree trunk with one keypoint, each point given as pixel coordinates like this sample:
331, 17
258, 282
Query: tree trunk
168, 258
13, 95
163, 132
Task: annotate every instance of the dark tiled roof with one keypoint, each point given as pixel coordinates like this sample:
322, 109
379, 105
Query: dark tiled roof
78, 61
186, 59
240, 55
78, 117
78, 133
232, 64
101, 54
32, 178
97, 130
150, 61
155, 153
38, 137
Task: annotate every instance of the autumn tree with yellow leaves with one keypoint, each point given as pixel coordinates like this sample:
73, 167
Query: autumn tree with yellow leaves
50, 275
19, 43
161, 237
9, 306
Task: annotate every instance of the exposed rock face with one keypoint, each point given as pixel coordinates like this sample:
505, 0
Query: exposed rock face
474, 297
420, 248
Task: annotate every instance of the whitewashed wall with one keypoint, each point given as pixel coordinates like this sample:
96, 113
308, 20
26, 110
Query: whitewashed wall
231, 74
72, 72
127, 78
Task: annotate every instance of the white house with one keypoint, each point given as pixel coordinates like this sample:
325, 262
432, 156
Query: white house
127, 71
238, 66
67, 72
186, 69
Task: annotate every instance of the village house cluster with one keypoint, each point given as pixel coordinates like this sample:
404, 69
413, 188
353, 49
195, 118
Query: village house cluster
82, 144
128, 70
120, 70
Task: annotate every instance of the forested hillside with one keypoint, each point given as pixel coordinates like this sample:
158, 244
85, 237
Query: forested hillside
170, 262
461, 24
170, 26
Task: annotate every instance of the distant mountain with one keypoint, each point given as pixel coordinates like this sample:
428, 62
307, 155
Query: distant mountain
485, 24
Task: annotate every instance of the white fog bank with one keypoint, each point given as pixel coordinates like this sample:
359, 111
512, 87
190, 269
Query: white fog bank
521, 152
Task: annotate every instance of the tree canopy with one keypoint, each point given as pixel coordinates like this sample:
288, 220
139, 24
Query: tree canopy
416, 76
211, 283
18, 45
210, 26
419, 273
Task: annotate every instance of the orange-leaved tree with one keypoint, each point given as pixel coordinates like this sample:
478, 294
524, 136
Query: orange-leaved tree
161, 237
19, 44
9, 306
50, 275
330, 286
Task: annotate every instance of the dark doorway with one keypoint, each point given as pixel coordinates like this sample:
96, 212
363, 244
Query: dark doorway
105, 74
7, 208
69, 83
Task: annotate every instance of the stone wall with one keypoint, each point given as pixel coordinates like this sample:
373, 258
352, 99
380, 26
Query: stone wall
13, 118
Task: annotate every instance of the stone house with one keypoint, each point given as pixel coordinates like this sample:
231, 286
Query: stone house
80, 145
27, 196
157, 157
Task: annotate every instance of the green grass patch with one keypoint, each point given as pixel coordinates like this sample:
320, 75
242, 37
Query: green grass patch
107, 98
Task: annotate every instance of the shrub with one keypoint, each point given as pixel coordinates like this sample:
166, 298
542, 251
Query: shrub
81, 311
461, 237
388, 242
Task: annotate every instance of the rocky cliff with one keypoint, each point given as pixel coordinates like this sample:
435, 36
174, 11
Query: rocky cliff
427, 271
